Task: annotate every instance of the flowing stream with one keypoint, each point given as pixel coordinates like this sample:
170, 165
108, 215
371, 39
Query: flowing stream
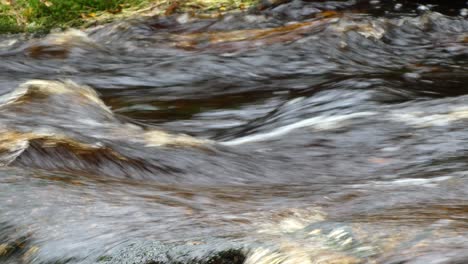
299, 132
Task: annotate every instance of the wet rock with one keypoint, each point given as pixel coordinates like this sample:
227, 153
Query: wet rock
198, 252
60, 45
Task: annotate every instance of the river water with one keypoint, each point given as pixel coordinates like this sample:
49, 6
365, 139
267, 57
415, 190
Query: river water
301, 132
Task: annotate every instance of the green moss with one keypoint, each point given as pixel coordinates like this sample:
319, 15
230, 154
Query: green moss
43, 15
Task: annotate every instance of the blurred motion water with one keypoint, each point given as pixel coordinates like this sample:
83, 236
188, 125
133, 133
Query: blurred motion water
297, 132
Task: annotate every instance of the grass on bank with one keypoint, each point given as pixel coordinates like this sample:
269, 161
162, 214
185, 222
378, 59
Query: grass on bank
43, 15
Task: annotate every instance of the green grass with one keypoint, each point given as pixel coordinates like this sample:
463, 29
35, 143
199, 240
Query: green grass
32, 15
8, 22
43, 15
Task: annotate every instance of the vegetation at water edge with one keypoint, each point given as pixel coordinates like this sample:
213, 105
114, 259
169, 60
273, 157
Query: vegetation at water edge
44, 15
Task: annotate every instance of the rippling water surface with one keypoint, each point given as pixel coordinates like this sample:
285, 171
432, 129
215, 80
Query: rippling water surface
302, 132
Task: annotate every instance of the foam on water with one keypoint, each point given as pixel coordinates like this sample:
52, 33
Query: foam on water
316, 123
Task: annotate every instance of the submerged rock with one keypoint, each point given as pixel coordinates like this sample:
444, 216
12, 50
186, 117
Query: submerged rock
212, 251
62, 125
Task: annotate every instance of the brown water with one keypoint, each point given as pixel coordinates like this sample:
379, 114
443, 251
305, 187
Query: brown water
303, 132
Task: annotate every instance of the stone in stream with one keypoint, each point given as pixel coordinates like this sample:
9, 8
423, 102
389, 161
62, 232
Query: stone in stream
213, 251
62, 125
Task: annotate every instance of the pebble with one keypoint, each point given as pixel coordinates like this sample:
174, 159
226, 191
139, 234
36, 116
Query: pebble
411, 75
423, 8
464, 12
183, 19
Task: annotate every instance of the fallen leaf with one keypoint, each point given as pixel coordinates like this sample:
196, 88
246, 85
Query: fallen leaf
172, 8
46, 3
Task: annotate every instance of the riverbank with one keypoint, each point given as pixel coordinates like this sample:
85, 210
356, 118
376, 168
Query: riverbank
45, 15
